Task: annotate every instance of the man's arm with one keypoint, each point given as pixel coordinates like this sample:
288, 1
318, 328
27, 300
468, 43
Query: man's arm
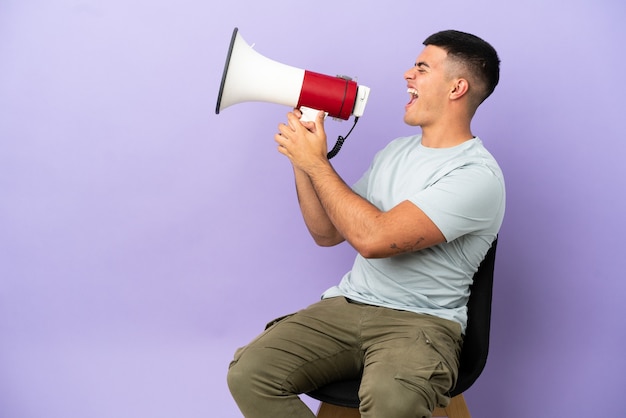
372, 232
317, 221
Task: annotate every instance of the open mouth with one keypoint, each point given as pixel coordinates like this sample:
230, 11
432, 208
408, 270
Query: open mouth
413, 95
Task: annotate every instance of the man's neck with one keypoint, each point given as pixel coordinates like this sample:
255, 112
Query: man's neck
442, 136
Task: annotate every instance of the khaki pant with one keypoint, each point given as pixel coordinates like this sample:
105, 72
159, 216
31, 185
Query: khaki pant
408, 361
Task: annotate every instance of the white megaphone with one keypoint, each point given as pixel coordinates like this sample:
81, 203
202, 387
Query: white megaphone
250, 77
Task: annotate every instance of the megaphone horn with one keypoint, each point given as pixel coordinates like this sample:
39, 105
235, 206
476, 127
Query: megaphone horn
249, 76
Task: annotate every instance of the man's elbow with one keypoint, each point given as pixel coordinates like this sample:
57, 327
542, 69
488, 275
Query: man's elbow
369, 248
372, 246
372, 252
327, 240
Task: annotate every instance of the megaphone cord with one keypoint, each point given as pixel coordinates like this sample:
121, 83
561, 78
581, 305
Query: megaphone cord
340, 141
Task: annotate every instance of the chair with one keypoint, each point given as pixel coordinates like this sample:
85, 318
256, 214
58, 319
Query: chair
341, 400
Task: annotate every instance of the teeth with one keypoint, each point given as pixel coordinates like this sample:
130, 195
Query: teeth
412, 91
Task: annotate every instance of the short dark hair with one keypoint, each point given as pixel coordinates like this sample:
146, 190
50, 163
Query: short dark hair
479, 56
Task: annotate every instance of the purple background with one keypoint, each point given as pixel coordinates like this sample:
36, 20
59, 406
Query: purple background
143, 238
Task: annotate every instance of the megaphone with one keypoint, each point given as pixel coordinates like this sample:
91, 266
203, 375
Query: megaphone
249, 76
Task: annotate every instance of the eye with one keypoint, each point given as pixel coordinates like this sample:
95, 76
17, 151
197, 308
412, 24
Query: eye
420, 67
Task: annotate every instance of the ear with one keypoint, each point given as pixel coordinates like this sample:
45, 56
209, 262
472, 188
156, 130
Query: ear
459, 88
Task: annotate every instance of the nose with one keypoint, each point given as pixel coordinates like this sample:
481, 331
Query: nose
409, 74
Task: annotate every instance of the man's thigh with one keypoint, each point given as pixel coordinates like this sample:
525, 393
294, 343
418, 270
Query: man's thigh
411, 362
308, 349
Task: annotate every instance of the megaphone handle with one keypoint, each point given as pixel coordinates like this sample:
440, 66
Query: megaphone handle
308, 114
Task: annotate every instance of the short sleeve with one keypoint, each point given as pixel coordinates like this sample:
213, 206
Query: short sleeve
469, 199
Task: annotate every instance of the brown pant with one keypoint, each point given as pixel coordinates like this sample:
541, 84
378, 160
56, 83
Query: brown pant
408, 361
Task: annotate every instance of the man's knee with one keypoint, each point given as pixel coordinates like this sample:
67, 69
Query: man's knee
237, 378
255, 369
244, 372
399, 399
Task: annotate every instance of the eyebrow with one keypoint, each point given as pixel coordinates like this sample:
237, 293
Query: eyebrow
422, 64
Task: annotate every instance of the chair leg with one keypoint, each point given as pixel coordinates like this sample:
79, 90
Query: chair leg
456, 409
327, 410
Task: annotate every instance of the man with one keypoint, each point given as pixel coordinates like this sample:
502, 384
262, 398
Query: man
421, 219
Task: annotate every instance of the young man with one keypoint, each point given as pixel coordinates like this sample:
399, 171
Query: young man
421, 219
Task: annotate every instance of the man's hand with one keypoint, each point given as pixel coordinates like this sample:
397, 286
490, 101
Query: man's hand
304, 143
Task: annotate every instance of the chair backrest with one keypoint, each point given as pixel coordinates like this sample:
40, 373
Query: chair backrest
476, 341
475, 345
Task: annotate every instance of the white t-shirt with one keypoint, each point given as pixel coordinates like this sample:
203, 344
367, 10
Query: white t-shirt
461, 189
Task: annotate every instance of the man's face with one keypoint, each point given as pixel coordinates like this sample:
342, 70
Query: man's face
428, 85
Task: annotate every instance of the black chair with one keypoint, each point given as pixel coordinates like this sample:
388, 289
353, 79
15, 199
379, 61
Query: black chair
341, 400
